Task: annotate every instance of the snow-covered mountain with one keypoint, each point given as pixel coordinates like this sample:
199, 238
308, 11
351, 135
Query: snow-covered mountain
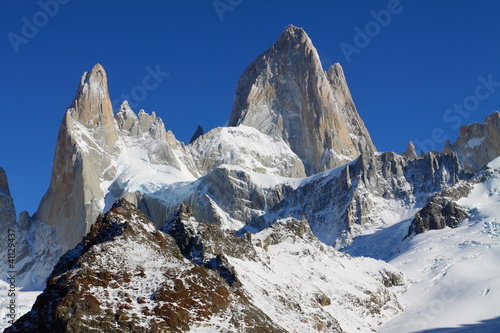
454, 273
230, 284
265, 225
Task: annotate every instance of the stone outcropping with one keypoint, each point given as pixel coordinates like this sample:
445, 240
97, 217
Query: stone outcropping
410, 152
285, 93
7, 209
478, 143
437, 214
126, 276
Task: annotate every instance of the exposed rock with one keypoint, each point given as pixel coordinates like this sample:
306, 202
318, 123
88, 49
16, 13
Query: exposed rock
199, 132
147, 131
286, 94
437, 214
126, 276
34, 250
410, 152
477, 143
392, 279
442, 209
447, 149
9, 229
207, 244
434, 172
90, 143
339, 204
84, 152
7, 209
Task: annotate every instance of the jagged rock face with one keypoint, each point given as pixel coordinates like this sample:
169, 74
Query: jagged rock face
437, 214
240, 260
477, 143
84, 151
339, 204
148, 131
410, 152
443, 209
88, 151
207, 244
286, 94
7, 209
92, 107
8, 226
36, 249
141, 284
434, 172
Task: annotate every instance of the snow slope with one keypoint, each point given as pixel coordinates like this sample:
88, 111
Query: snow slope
339, 288
454, 274
24, 300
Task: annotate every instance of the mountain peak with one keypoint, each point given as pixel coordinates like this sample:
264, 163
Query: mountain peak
199, 132
294, 45
294, 33
92, 105
285, 93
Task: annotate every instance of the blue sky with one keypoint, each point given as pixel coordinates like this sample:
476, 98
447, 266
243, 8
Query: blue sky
416, 69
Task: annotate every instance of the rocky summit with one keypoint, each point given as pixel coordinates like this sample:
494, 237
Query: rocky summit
274, 223
286, 93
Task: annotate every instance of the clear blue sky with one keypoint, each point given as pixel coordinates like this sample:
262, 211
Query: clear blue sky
412, 69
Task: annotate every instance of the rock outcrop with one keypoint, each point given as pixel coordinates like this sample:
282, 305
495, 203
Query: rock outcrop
126, 276
7, 209
443, 209
478, 144
437, 214
410, 152
285, 93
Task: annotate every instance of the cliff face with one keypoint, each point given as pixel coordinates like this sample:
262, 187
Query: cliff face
285, 93
7, 209
478, 144
84, 150
30, 247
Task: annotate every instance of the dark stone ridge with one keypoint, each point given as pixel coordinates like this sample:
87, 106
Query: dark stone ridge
442, 210
207, 244
100, 286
